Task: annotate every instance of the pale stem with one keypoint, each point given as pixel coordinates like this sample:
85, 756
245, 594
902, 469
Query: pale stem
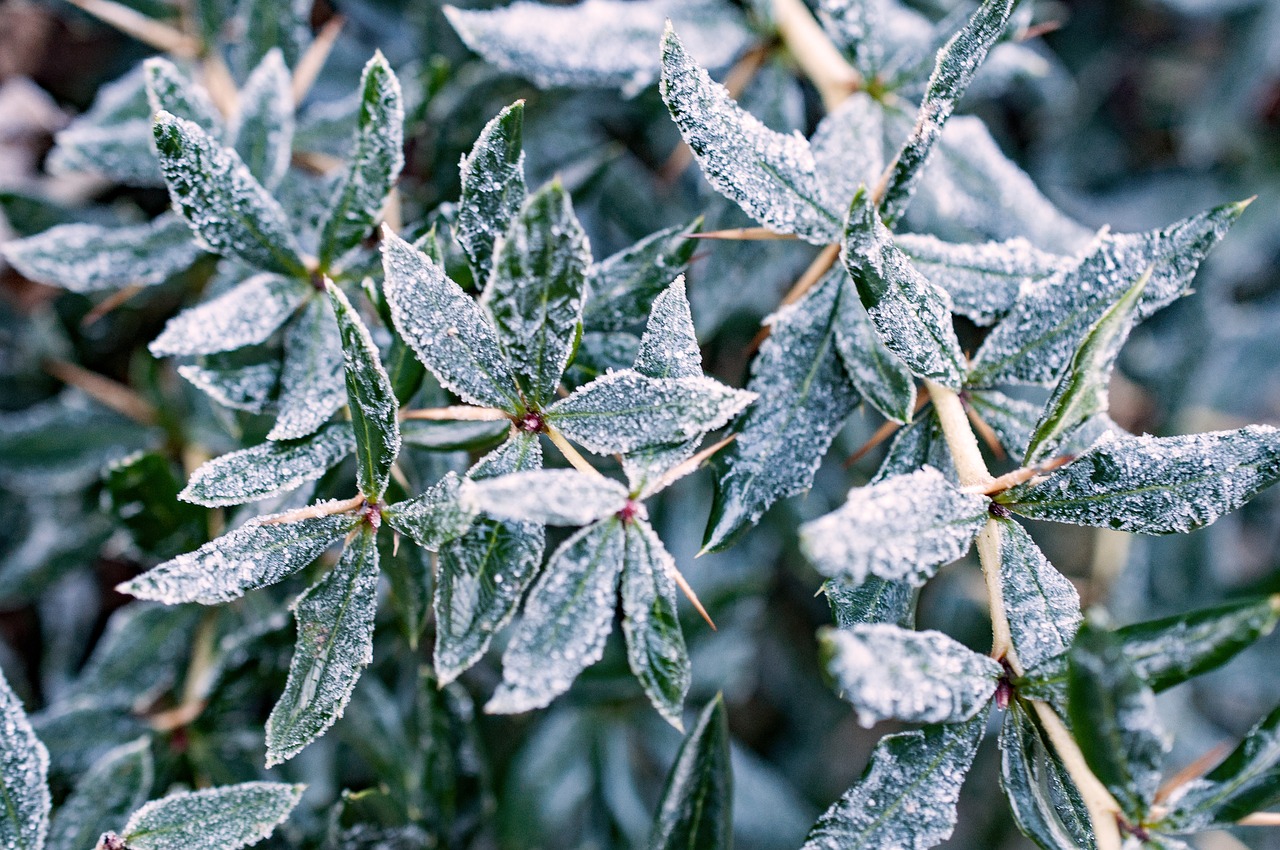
313, 511
114, 395
147, 30
221, 85
456, 413
1261, 819
746, 234
1097, 799
817, 269
576, 460
833, 77
312, 61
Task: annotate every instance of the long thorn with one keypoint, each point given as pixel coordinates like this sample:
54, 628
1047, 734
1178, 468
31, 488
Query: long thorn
683, 584
312, 61
681, 470
1260, 819
744, 234
456, 413
1017, 476
986, 432
116, 396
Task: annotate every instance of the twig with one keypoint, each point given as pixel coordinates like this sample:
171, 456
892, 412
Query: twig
1018, 476
1195, 770
833, 77
456, 413
745, 234
312, 61
111, 302
1260, 819
114, 395
817, 270
133, 23
317, 510
576, 460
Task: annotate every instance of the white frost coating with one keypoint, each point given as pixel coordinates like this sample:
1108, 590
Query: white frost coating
656, 649
24, 772
889, 673
669, 347
879, 374
772, 176
603, 43
263, 127
1042, 606
858, 27
91, 257
903, 528
848, 149
567, 617
272, 467
225, 818
493, 187
433, 518
312, 386
122, 152
245, 315
546, 496
244, 388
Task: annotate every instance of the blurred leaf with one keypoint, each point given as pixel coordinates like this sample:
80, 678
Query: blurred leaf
696, 808
446, 435
312, 384
1046, 805
114, 787
872, 601
263, 131
24, 772
141, 491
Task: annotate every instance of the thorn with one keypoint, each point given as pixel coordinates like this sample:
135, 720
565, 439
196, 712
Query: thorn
1260, 819
744, 234
111, 302
1017, 476
683, 584
986, 432
456, 413
681, 470
117, 396
312, 61
1194, 770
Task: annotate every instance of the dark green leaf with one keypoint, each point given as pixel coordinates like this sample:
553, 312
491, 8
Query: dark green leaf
882, 378
172, 90
872, 601
1012, 419
1041, 605
24, 773
226, 818
696, 809
1042, 795
269, 24
142, 493
117, 784
655, 644
493, 188
435, 517
245, 315
624, 285
450, 435
272, 467
312, 380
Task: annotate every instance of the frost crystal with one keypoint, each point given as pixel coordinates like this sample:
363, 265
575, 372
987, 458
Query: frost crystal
546, 496
882, 378
493, 187
226, 818
170, 89
246, 315
873, 601
113, 138
248, 388
24, 772
272, 467
625, 285
1042, 606
433, 518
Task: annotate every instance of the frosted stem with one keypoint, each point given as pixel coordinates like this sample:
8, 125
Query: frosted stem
456, 413
833, 77
322, 509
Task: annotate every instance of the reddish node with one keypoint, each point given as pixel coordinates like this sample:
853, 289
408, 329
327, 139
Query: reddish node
531, 422
629, 511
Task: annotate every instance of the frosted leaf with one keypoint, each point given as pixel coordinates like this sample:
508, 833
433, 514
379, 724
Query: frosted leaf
597, 43
651, 623
92, 257
882, 378
771, 175
271, 467
1156, 485
433, 518
848, 148
536, 290
450, 333
377, 155
263, 130
113, 138
484, 573
624, 285
117, 784
229, 211
1042, 606
1012, 419
335, 643
902, 528
312, 376
248, 388
624, 411
912, 316
24, 773
804, 400
246, 315
1045, 802
256, 554
872, 601
982, 278
920, 443
859, 27
566, 619
906, 799
493, 188
225, 818
171, 89
265, 25
696, 809
546, 496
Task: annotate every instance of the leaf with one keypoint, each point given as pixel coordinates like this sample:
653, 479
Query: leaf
772, 176
24, 773
546, 496
1113, 717
883, 379
312, 377
267, 25
921, 443
93, 257
567, 617
625, 285
803, 401
872, 601
912, 316
536, 290
450, 435
434, 517
256, 554
170, 89
493, 188
907, 796
888, 672
249, 388
656, 649
229, 211
859, 28
1045, 803
696, 808
245, 315
375, 413
141, 654
225, 818
377, 155
112, 139
1041, 605
263, 129
449, 331
117, 784
902, 528
140, 491
848, 149
271, 467
335, 643
1155, 485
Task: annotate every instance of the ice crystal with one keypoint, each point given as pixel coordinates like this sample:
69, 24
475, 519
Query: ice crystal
271, 467
655, 644
225, 818
872, 601
246, 315
1042, 606
312, 383
263, 130
546, 496
24, 773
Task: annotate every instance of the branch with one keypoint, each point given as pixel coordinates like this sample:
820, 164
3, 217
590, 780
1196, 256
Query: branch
833, 77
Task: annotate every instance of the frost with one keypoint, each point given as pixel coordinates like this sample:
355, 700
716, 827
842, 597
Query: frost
117, 784
603, 43
902, 528
1043, 797
546, 496
858, 27
248, 388
257, 554
1156, 485
669, 347
920, 443
312, 384
170, 89
272, 467
246, 315
113, 138
655, 644
434, 517
225, 818
848, 148
1012, 419
567, 617
335, 643
493, 187
624, 285
882, 378
263, 130
1042, 606
888, 673
24, 773
872, 601
91, 257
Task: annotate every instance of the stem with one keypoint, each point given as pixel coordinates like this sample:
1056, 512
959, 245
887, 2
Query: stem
318, 510
960, 438
1261, 819
833, 77
102, 389
576, 460
311, 61
456, 413
147, 30
1097, 799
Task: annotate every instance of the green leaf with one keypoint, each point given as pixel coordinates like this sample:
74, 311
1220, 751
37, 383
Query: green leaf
872, 601
225, 818
250, 387
912, 316
271, 467
1156, 485
696, 808
143, 650
24, 774
266, 25
907, 796
566, 619
377, 155
536, 290
93, 257
900, 529
1113, 716
245, 315
1045, 802
141, 491
546, 496
375, 413
882, 378
451, 435
117, 784
1012, 419
921, 443
230, 211
335, 643
312, 377
171, 89
651, 623
624, 285
888, 672
112, 139
493, 188
848, 148
450, 332
256, 554
1041, 605
263, 129
435, 517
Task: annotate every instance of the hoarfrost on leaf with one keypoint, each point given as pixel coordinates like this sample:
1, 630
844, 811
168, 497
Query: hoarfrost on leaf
24, 773
871, 601
879, 374
625, 285
435, 517
312, 382
271, 467
225, 818
170, 89
246, 315
1045, 802
546, 496
249, 388
493, 187
1042, 606
103, 798
848, 148
263, 130
656, 649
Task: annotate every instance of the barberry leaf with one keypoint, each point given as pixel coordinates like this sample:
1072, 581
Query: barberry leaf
171, 89
24, 776
335, 643
859, 27
872, 601
247, 314
116, 785
625, 285
312, 376
263, 129
435, 517
266, 25
256, 554
901, 529
493, 187
696, 808
229, 211
656, 649
848, 148
113, 138
1045, 802
1041, 605
377, 155
907, 796
1155, 485
225, 818
1012, 419
921, 443
546, 496
882, 378
268, 468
